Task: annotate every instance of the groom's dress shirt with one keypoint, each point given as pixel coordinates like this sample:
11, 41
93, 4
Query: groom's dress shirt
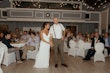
56, 30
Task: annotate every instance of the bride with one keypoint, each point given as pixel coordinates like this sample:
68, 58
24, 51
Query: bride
42, 58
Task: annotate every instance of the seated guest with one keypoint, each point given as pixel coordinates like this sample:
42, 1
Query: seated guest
30, 45
107, 42
91, 51
87, 38
25, 36
38, 35
17, 33
1, 36
92, 35
69, 38
30, 30
6, 41
79, 36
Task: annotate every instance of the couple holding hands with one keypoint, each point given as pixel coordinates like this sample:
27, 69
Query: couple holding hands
51, 37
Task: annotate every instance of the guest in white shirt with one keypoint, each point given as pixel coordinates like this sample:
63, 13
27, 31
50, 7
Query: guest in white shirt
38, 35
31, 44
25, 36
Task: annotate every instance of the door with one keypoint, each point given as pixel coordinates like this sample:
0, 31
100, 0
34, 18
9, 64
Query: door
73, 29
3, 28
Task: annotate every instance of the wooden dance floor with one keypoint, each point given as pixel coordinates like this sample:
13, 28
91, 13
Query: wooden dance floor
75, 65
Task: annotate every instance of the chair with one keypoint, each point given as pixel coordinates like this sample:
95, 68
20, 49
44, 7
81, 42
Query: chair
81, 50
8, 57
1, 55
66, 49
105, 52
32, 54
99, 56
72, 51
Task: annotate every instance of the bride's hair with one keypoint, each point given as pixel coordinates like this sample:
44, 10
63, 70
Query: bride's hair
44, 24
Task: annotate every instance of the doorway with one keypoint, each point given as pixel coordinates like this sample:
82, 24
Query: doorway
73, 29
3, 28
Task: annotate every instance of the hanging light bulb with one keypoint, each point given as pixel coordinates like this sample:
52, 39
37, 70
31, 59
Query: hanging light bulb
101, 4
105, 1
98, 6
39, 6
88, 7
85, 4
93, 8
82, 1
104, 6
95, 3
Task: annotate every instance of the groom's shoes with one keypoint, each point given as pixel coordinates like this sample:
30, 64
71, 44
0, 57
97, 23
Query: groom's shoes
64, 65
56, 65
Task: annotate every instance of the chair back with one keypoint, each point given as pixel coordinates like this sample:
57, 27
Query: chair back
1, 51
80, 44
99, 47
1, 55
72, 44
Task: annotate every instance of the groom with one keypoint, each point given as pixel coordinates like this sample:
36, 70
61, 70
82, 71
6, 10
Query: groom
58, 32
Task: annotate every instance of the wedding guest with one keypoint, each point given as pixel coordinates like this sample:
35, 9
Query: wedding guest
38, 35
79, 36
69, 38
6, 41
1, 36
30, 30
17, 33
91, 51
30, 45
87, 38
107, 42
92, 35
25, 37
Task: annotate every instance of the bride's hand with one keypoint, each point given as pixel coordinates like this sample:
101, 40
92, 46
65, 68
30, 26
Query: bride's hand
51, 44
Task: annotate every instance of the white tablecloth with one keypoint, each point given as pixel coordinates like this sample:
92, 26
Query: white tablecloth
18, 44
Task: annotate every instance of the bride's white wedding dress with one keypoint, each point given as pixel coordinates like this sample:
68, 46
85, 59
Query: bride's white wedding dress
42, 58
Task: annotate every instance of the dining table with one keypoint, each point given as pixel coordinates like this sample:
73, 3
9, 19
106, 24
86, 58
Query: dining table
18, 44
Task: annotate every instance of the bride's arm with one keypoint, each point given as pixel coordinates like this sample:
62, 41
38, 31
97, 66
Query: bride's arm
41, 36
51, 41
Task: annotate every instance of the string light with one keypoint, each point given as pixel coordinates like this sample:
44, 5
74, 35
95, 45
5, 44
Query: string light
104, 6
105, 1
101, 4
97, 5
63, 3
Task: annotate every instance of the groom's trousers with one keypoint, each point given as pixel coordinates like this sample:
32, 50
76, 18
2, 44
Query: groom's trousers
58, 47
